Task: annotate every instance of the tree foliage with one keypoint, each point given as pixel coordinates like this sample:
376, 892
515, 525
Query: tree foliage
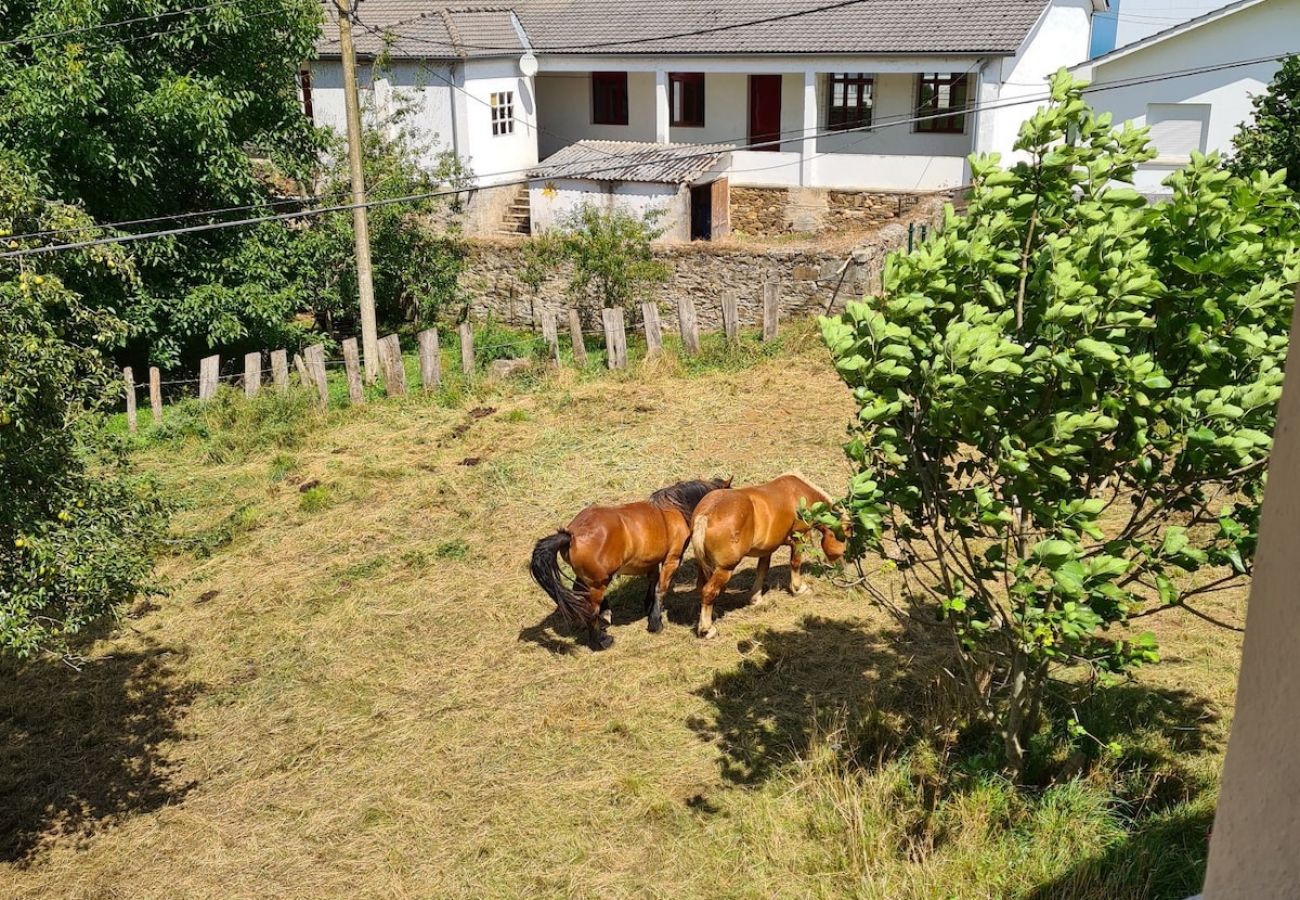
308, 266
611, 254
187, 109
1272, 140
76, 527
1066, 401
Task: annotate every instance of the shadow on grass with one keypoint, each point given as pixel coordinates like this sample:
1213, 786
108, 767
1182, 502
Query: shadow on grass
627, 603
81, 750
1161, 858
798, 682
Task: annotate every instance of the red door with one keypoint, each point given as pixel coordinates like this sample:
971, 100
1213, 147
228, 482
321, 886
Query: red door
765, 112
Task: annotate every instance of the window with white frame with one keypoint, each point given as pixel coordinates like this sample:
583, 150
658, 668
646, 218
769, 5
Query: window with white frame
1178, 129
503, 113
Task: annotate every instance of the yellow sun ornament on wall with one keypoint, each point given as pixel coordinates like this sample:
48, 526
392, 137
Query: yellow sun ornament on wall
550, 191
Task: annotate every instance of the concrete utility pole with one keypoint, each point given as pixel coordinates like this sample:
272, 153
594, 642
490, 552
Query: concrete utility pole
360, 219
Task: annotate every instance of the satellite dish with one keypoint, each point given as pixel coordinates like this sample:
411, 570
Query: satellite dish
528, 65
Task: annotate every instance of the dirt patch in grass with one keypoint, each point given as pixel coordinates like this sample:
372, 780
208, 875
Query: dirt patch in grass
378, 702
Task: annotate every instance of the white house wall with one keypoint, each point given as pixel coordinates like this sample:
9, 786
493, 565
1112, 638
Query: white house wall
554, 200
497, 158
1060, 38
1137, 19
564, 99
1258, 31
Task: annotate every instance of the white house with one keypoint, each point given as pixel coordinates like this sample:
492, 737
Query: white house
1235, 51
877, 95
1138, 19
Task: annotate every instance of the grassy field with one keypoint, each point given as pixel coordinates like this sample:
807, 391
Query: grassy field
353, 689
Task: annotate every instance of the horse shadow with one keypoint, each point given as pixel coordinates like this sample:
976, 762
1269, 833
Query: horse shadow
627, 605
81, 750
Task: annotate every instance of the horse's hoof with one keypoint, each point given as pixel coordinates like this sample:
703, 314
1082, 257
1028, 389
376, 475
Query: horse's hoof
604, 642
707, 635
758, 600
801, 590
654, 626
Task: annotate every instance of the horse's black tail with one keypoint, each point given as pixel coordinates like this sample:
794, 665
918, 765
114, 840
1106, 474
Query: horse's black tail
546, 572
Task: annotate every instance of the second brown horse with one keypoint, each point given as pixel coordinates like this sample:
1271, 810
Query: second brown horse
731, 525
644, 538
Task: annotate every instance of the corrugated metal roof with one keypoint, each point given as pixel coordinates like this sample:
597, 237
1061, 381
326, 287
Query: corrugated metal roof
631, 161
985, 27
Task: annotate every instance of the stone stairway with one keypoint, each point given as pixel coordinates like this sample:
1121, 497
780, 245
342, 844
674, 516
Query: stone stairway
518, 219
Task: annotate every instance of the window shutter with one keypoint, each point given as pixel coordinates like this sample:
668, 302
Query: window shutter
1177, 129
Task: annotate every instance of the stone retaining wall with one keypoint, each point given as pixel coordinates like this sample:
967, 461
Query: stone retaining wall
772, 212
702, 271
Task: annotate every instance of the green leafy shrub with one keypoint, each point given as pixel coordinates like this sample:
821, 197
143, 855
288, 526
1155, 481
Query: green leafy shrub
609, 251
1271, 141
77, 527
1066, 402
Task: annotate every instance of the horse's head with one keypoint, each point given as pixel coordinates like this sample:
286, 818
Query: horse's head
835, 541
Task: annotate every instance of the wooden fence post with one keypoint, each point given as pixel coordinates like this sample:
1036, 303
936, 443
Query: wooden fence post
252, 373
550, 334
615, 338
280, 369
654, 333
771, 310
209, 375
390, 358
430, 360
315, 357
155, 393
352, 364
129, 377
689, 324
301, 368
731, 316
575, 335
467, 348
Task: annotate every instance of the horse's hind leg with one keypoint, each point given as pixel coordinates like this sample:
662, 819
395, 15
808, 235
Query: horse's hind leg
713, 589
652, 608
597, 629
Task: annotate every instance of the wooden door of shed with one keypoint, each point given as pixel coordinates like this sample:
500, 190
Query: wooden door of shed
721, 190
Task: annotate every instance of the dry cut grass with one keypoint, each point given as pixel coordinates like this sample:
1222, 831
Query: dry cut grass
354, 690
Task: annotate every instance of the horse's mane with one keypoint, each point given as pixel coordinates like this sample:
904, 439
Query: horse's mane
686, 495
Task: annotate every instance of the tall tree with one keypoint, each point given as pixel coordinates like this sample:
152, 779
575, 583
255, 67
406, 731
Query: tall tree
76, 527
1272, 141
134, 109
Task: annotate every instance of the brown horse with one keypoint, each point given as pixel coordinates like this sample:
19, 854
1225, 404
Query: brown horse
756, 521
645, 538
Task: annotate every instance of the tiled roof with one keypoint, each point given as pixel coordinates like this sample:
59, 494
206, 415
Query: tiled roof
630, 161
694, 26
422, 29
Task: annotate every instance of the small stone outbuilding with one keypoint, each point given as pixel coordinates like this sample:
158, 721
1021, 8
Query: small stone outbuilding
685, 185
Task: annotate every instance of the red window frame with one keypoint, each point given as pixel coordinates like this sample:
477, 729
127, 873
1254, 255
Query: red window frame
931, 88
686, 99
849, 99
609, 98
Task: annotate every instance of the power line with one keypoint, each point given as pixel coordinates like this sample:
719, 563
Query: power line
875, 126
